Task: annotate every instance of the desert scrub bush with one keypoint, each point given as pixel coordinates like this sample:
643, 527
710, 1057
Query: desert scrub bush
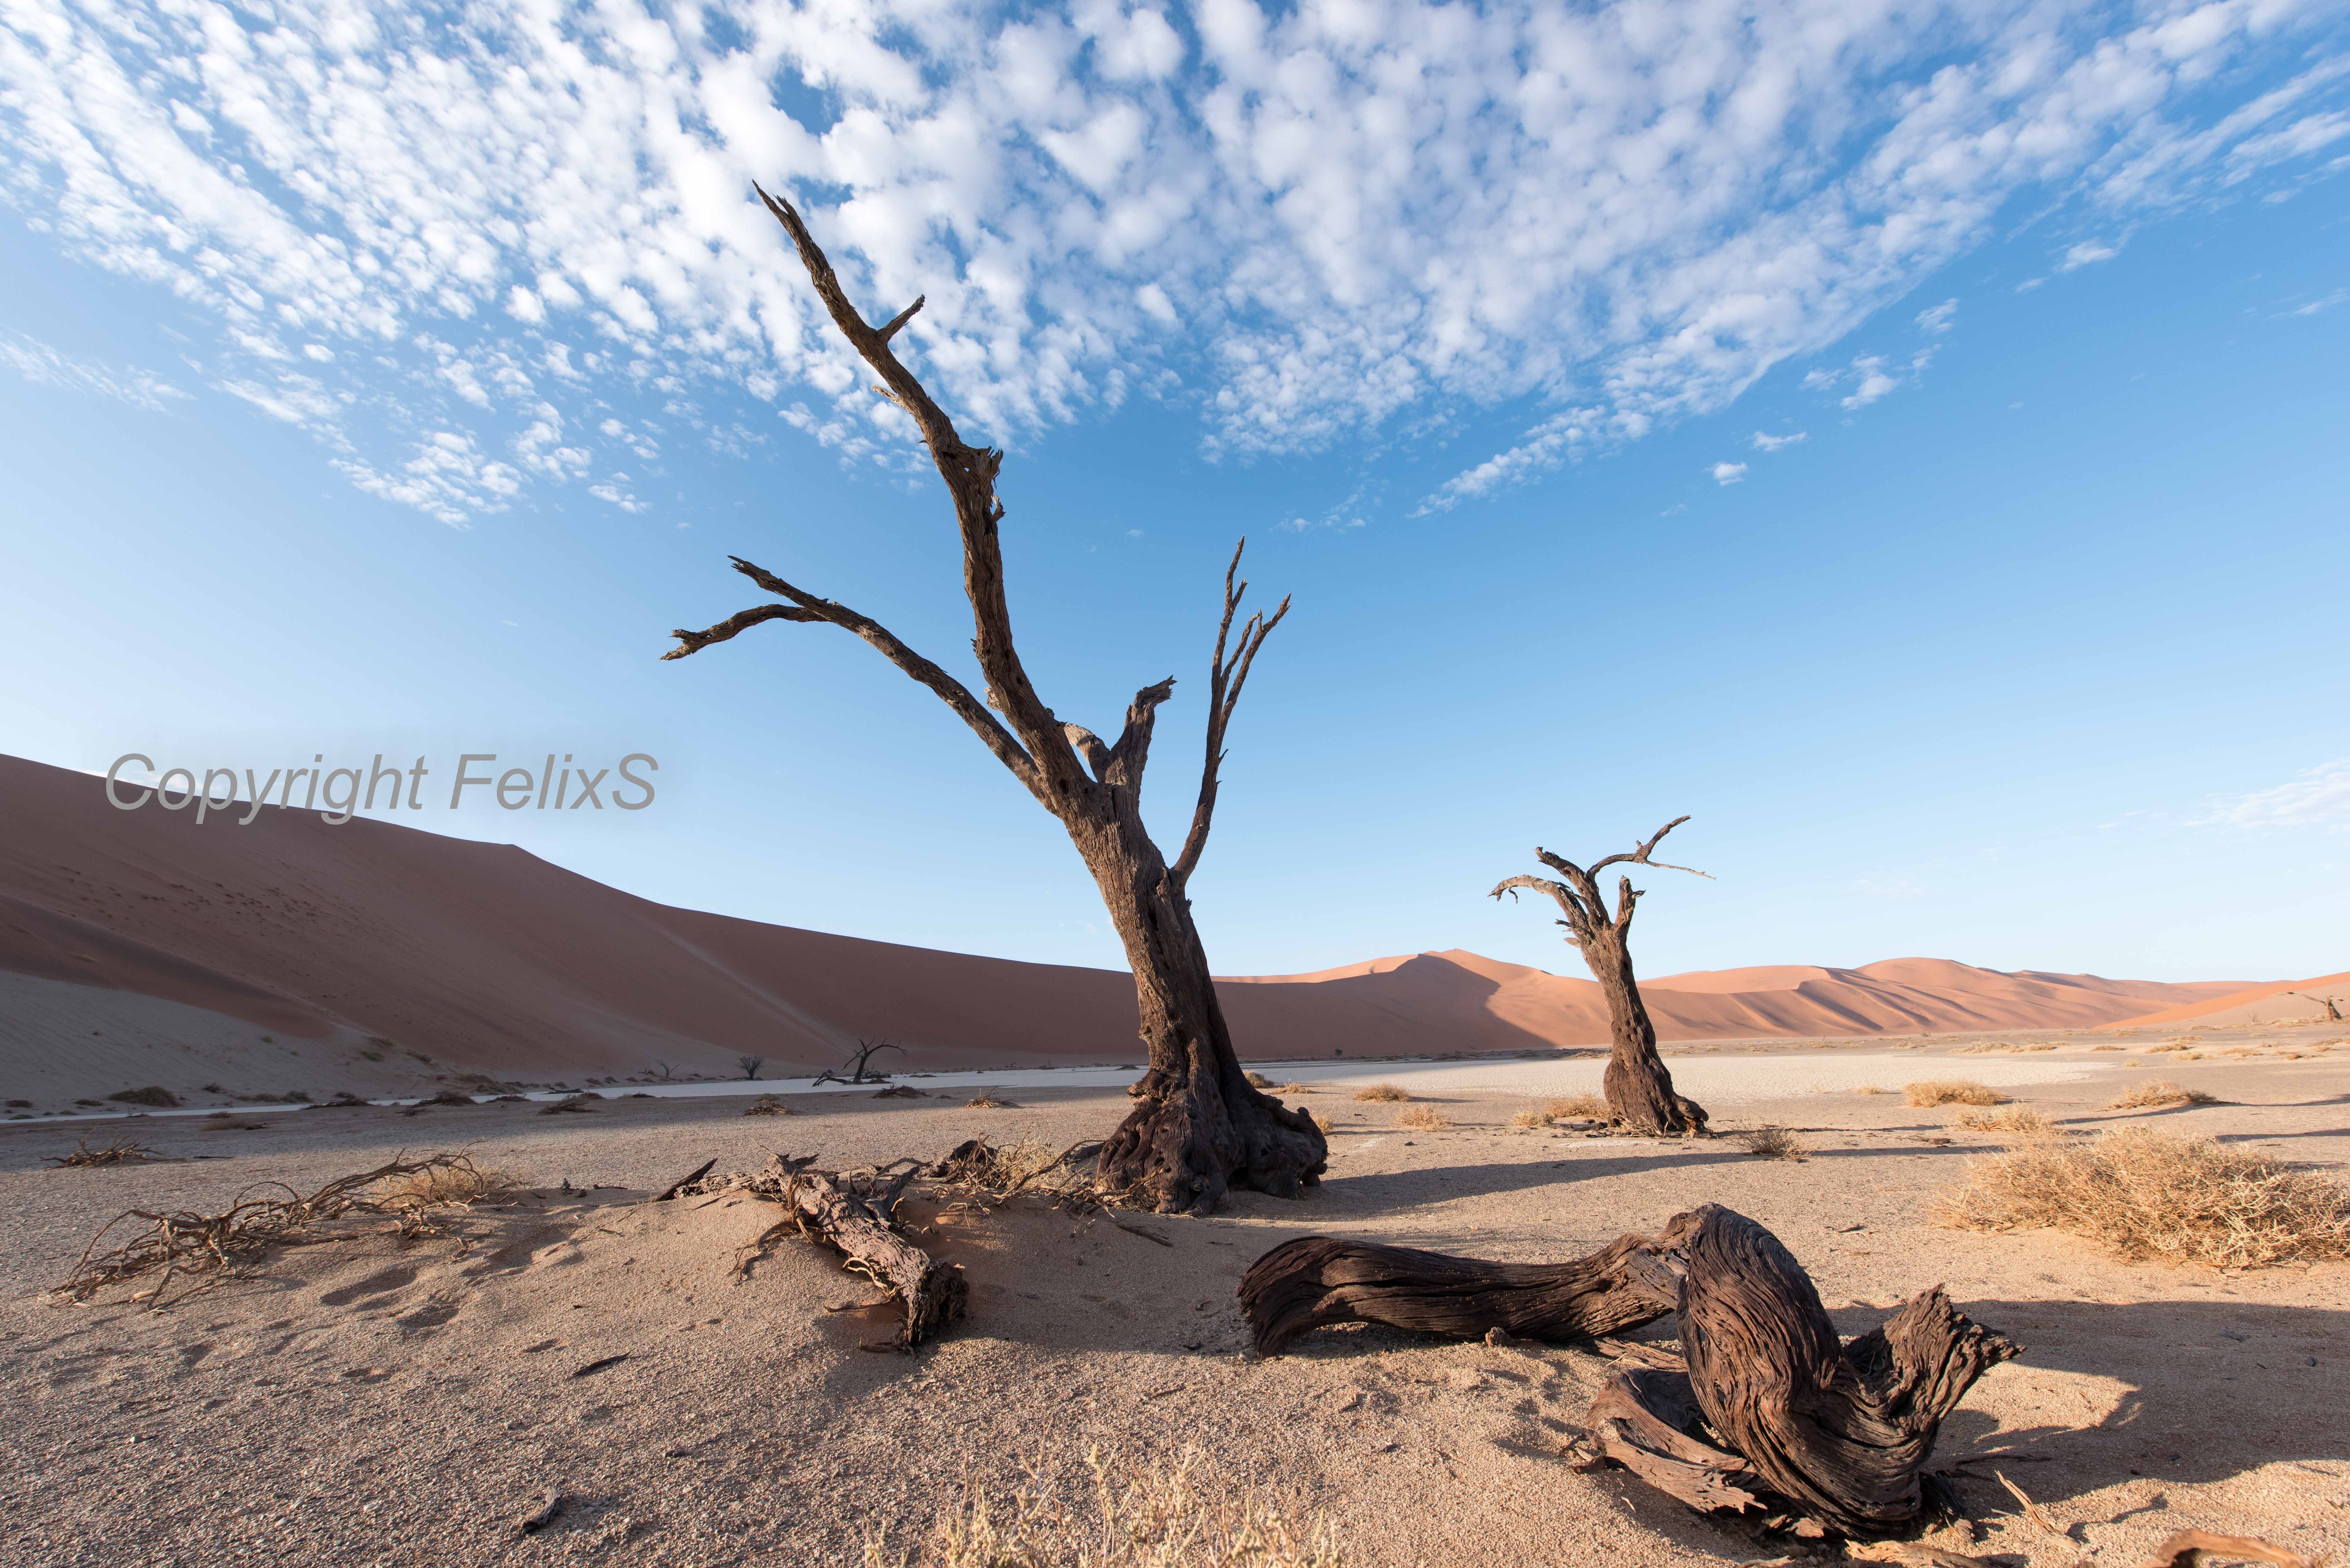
1577, 1108
457, 1184
1382, 1092
1325, 1123
1872, 1089
1423, 1119
1296, 1088
1259, 1081
2021, 1120
767, 1105
2151, 1195
1530, 1118
1127, 1515
121, 1150
1771, 1143
153, 1094
2156, 1092
987, 1100
1951, 1092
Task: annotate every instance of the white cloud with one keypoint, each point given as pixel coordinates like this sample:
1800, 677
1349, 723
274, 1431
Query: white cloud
1763, 442
1316, 220
2320, 797
1728, 473
44, 366
2088, 253
1938, 318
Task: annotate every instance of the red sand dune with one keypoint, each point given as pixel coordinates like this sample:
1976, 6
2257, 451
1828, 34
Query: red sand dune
489, 959
2256, 1004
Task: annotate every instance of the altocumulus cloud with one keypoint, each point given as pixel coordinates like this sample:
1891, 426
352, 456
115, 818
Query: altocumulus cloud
439, 238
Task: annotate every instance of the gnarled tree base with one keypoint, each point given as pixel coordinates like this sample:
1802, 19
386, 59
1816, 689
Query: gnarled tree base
1188, 1142
1640, 1097
1315, 1281
1840, 1431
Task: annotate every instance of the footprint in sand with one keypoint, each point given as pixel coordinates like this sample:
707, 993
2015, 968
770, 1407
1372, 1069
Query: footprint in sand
390, 1280
432, 1314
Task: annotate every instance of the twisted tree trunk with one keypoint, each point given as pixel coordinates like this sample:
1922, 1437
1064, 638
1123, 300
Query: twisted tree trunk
1201, 1129
1638, 1088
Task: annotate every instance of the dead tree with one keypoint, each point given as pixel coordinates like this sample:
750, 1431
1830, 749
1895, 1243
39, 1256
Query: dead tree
1317, 1281
2331, 1003
1832, 1431
1199, 1127
750, 1065
1639, 1090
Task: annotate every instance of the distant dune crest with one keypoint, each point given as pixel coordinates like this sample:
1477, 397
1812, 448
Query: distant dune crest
489, 959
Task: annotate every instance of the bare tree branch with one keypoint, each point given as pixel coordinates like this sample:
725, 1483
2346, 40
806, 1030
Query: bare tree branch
1128, 758
741, 621
970, 474
1578, 922
950, 690
1220, 703
902, 317
1089, 746
1640, 857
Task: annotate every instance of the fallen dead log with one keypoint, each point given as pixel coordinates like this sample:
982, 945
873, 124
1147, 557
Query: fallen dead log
855, 1213
1839, 1432
2197, 1547
1317, 1281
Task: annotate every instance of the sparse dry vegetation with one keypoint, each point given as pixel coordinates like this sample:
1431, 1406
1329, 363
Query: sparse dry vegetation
1530, 1118
153, 1094
1771, 1143
121, 1150
1577, 1108
1384, 1092
987, 1100
1259, 1081
1320, 1121
1872, 1089
1132, 1515
767, 1105
1951, 1092
211, 1248
2150, 1195
2156, 1093
2019, 1119
1423, 1119
1296, 1088
580, 1101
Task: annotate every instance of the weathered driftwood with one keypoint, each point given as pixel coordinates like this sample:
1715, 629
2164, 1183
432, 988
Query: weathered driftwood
2197, 1547
1315, 1281
1840, 1431
855, 1213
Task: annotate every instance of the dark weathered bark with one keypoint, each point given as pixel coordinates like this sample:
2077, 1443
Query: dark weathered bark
1201, 1129
1317, 1281
1638, 1088
1840, 1431
856, 1215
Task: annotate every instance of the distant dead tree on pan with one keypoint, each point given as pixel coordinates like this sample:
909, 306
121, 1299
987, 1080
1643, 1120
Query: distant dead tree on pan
1639, 1090
1198, 1127
750, 1064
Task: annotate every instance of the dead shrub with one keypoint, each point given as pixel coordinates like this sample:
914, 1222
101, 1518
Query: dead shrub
582, 1102
211, 1248
1423, 1119
1951, 1092
1296, 1088
1325, 1123
153, 1094
457, 1184
1529, 1117
121, 1150
1259, 1081
2019, 1119
2151, 1195
1578, 1108
2158, 1092
988, 1100
1127, 1514
767, 1106
1872, 1089
1387, 1093
1771, 1143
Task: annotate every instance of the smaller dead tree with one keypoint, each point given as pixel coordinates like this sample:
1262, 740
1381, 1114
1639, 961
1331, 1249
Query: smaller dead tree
861, 1064
750, 1065
2333, 1005
1639, 1090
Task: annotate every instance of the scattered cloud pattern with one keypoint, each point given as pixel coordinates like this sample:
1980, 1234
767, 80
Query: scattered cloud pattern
45, 366
2319, 797
442, 239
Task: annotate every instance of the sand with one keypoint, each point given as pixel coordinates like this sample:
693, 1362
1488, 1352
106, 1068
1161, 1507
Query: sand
359, 1403
141, 948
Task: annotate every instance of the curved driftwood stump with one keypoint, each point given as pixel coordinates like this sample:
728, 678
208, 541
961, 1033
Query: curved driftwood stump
1315, 1281
855, 1213
1840, 1431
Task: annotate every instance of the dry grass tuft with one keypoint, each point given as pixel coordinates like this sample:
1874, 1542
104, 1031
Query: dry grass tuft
1296, 1088
211, 1248
1133, 1515
1325, 1123
1872, 1089
1577, 1108
1382, 1092
121, 1150
1771, 1143
2108, 1047
988, 1100
2149, 1195
767, 1105
580, 1101
1530, 1118
1983, 1048
1951, 1092
1423, 1119
1259, 1081
153, 1094
2156, 1092
2021, 1120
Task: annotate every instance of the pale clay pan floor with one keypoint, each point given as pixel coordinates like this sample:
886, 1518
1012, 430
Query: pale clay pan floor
364, 1404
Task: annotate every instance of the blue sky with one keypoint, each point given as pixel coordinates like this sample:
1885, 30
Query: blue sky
1910, 441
